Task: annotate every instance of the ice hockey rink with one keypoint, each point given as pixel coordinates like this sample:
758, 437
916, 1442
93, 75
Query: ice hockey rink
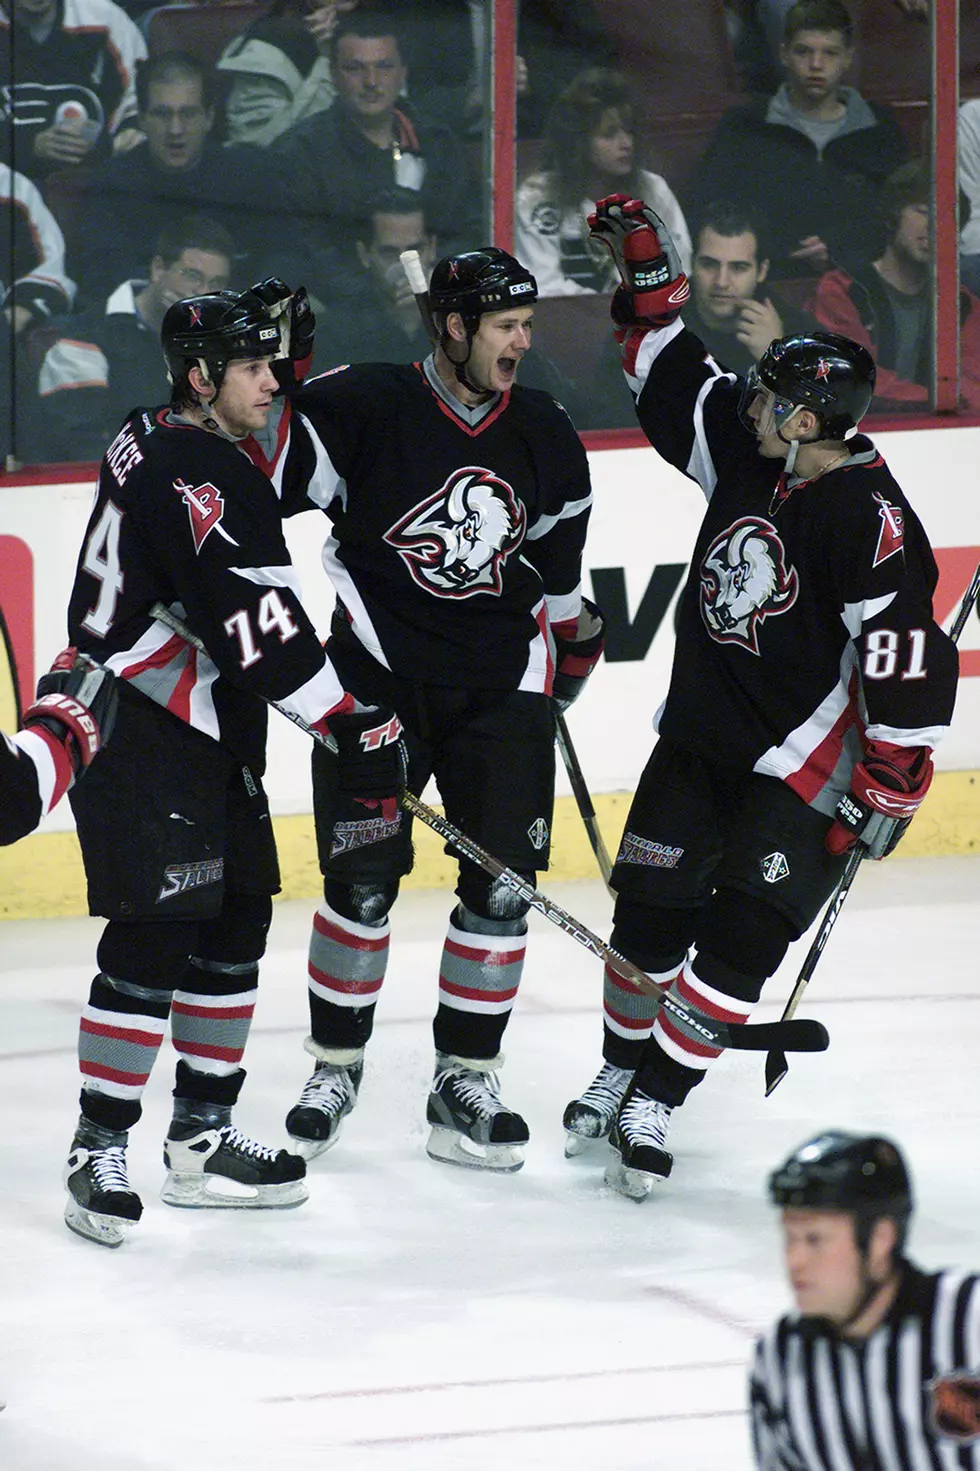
413, 1315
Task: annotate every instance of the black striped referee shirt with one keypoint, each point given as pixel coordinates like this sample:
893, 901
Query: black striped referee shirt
905, 1399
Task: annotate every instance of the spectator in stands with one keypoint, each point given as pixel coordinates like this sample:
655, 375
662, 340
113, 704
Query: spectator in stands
332, 166
67, 69
279, 70
589, 152
177, 171
887, 304
756, 29
813, 155
732, 308
107, 360
968, 147
33, 283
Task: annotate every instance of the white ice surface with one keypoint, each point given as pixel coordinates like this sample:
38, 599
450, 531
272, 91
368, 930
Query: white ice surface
413, 1315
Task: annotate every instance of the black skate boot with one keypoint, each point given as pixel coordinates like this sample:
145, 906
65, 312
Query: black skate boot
313, 1124
213, 1165
101, 1206
589, 1117
470, 1125
638, 1137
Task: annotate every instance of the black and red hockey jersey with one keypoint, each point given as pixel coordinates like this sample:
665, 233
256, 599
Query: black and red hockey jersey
806, 623
183, 517
457, 533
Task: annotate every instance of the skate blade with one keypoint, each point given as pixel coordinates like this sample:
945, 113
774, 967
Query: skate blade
217, 1192
633, 1184
311, 1148
576, 1144
91, 1226
451, 1148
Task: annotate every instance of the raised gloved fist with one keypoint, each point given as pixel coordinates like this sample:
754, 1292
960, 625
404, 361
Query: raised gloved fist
371, 758
887, 789
76, 703
578, 648
295, 318
646, 258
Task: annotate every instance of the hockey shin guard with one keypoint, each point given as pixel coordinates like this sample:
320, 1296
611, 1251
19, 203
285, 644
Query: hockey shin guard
347, 966
479, 976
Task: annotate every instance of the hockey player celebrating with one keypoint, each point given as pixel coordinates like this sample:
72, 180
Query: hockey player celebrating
810, 684
60, 734
173, 821
880, 1364
459, 504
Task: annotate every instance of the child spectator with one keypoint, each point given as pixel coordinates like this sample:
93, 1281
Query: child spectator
589, 152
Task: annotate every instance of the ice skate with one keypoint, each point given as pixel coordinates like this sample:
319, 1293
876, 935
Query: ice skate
638, 1136
313, 1124
101, 1206
589, 1118
470, 1125
219, 1167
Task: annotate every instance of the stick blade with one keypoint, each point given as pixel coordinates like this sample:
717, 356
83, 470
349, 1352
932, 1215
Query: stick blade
776, 1069
805, 1035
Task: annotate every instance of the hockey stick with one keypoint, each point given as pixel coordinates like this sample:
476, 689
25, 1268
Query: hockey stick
412, 266
583, 799
776, 1065
792, 1036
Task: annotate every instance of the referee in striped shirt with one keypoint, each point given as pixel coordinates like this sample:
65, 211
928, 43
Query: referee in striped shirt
879, 1368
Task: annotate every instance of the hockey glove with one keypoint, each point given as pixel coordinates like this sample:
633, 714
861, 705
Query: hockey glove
655, 288
292, 313
371, 758
76, 703
887, 788
578, 647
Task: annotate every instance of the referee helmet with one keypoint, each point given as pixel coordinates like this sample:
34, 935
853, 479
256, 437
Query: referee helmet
862, 1175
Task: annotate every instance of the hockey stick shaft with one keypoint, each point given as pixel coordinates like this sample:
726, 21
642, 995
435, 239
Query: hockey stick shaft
776, 1065
583, 800
412, 266
792, 1036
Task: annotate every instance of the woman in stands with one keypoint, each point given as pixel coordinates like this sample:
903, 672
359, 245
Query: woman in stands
589, 151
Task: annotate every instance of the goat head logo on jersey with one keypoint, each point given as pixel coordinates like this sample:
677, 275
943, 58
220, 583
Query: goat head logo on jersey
744, 579
955, 1406
455, 543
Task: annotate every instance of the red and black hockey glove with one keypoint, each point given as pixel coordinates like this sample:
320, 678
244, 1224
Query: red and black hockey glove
578, 647
887, 789
76, 704
655, 288
371, 758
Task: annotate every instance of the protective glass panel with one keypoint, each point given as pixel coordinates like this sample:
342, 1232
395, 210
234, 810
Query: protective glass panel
785, 170
311, 141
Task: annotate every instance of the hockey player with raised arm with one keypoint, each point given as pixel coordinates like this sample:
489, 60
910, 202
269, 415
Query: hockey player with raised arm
61, 733
459, 504
809, 687
172, 819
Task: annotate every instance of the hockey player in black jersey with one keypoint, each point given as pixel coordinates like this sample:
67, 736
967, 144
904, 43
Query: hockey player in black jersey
880, 1363
60, 734
172, 819
810, 684
459, 504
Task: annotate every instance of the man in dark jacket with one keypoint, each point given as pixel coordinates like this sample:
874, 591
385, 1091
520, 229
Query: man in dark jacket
108, 358
812, 156
176, 172
332, 166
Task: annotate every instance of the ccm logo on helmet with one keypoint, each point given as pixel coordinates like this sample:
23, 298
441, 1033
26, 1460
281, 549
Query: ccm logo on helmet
266, 332
520, 287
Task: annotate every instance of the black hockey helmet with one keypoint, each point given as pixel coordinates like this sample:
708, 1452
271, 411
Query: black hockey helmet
822, 371
478, 281
212, 330
863, 1175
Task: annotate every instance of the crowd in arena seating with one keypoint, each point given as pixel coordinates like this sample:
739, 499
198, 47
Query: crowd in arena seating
322, 136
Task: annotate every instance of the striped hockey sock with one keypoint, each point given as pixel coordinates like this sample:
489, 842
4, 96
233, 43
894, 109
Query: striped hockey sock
628, 1014
212, 1014
478, 980
346, 971
707, 1003
122, 1027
